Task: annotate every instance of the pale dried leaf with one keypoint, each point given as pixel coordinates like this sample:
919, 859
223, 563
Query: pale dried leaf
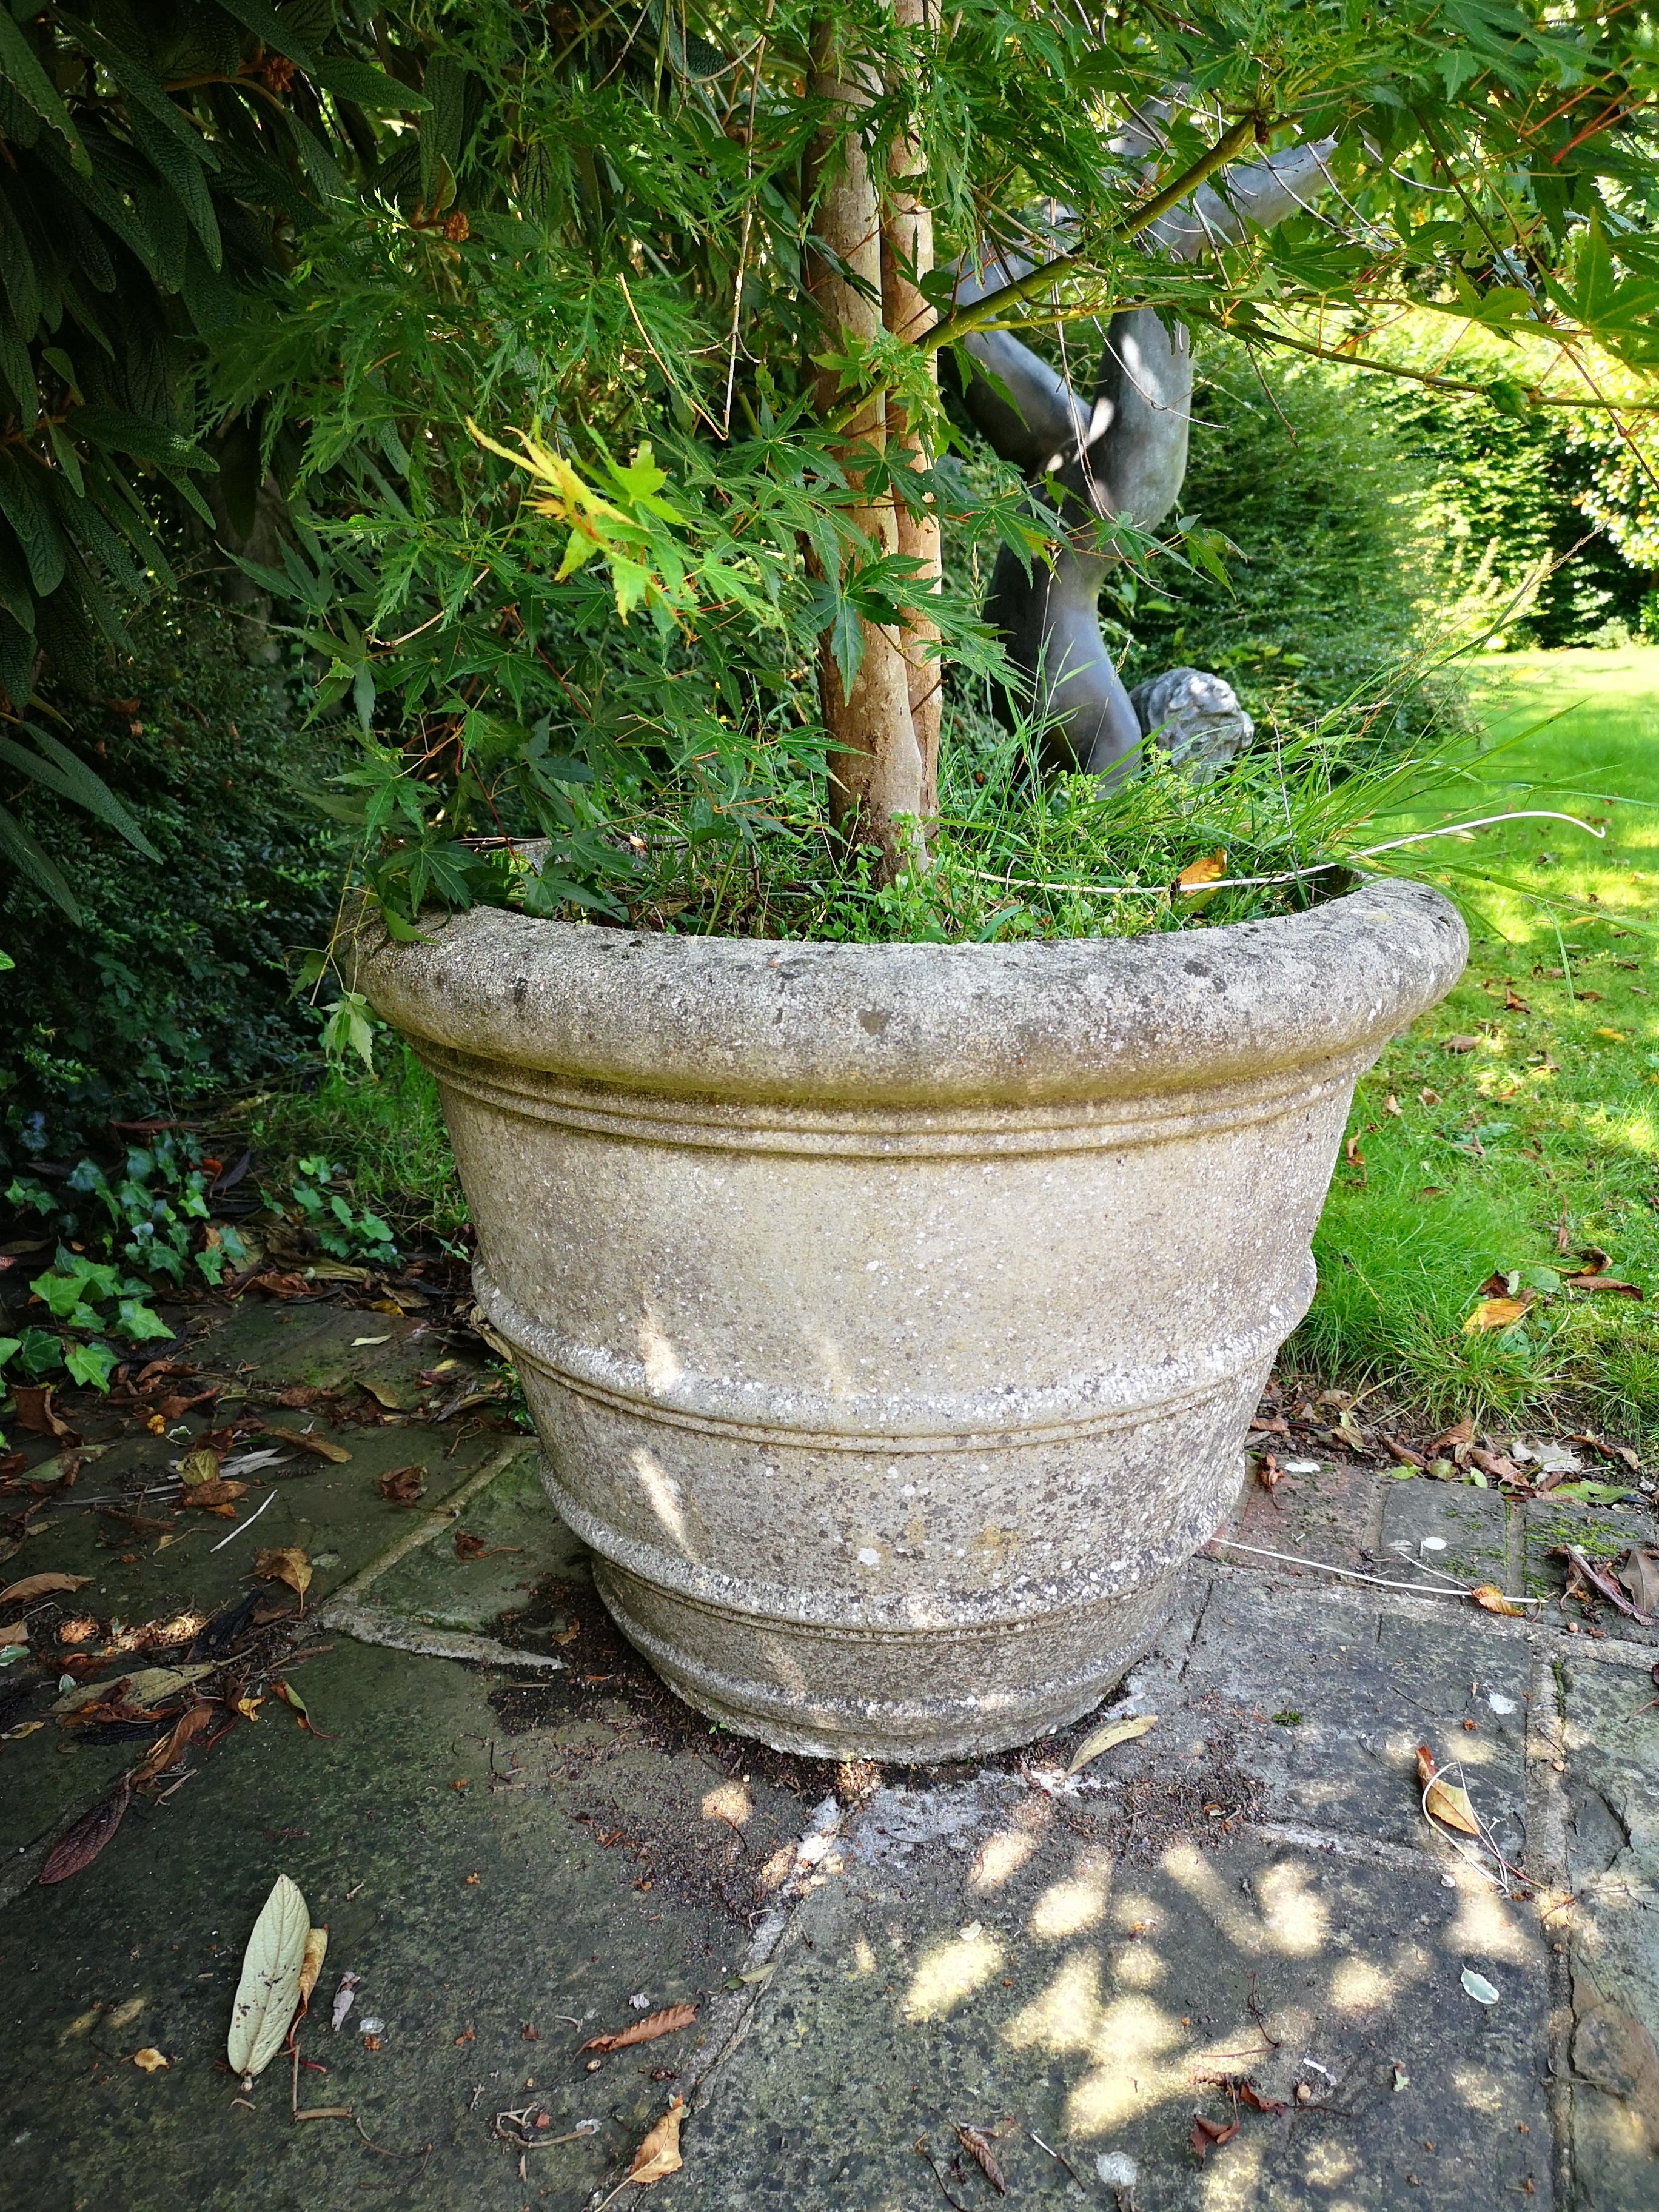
1491, 1599
150, 2060
33, 1586
647, 2030
311, 1965
1478, 1987
146, 1687
1639, 1570
1103, 1738
306, 1441
269, 1987
659, 2153
200, 1465
345, 1997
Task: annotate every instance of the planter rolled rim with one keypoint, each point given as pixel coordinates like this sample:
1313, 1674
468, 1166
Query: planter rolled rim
950, 1028
784, 1234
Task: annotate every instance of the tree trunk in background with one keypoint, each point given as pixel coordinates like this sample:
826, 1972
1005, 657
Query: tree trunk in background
906, 256
875, 762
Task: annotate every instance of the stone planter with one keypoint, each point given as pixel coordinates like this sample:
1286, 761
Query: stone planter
893, 1315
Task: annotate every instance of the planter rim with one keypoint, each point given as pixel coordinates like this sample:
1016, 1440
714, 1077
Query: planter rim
1045, 1021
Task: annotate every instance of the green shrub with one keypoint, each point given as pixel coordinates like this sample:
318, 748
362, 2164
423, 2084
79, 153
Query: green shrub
175, 985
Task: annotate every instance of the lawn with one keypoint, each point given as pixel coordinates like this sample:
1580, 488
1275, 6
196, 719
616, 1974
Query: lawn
1533, 1146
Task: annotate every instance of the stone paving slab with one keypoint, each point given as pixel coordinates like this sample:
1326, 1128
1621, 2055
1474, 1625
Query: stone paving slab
1248, 1889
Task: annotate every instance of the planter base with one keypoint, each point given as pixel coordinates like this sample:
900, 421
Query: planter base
924, 1714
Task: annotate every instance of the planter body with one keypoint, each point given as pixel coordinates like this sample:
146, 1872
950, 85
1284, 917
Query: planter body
893, 1315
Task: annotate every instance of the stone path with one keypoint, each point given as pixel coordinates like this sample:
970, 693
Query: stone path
527, 1842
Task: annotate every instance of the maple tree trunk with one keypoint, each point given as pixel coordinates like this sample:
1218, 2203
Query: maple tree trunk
906, 256
875, 762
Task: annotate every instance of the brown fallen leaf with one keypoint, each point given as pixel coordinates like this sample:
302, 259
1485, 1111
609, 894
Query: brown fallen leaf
1391, 1105
194, 1721
1443, 1800
34, 1413
1491, 1599
659, 2153
1460, 1044
79, 1630
1209, 2135
1498, 1465
1352, 1153
665, 2022
1639, 1570
1498, 1313
286, 1564
1403, 1453
977, 2144
211, 1496
33, 1586
1271, 1424
1513, 1004
1248, 2094
403, 1486
150, 2060
1611, 1283
306, 1440
79, 1846
16, 1633
1429, 1097
1621, 1455
1269, 1472
1582, 1570
1197, 873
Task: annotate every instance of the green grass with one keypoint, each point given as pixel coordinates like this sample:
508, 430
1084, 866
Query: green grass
1563, 1098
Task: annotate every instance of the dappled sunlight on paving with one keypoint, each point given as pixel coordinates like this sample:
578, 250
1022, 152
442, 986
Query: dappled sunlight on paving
949, 1973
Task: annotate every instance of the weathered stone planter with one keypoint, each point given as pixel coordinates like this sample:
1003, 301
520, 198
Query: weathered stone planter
892, 1315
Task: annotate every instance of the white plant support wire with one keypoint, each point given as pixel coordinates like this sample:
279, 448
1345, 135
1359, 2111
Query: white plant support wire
241, 1525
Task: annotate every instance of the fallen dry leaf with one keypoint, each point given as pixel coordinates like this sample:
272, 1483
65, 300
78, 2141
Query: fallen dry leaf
1391, 1105
1498, 1465
654, 2024
213, 1495
1429, 1097
1599, 1282
1210, 870
1498, 1313
34, 1413
403, 1485
1209, 2135
33, 1586
248, 1707
1460, 1044
145, 1687
1443, 1800
1582, 1569
17, 1633
977, 2144
1622, 1454
287, 1564
1403, 1453
150, 2060
1269, 1472
1639, 1570
79, 1630
1514, 1004
194, 1722
345, 1997
269, 1986
659, 2153
79, 1846
311, 1965
1102, 1739
1491, 1599
198, 1467
306, 1441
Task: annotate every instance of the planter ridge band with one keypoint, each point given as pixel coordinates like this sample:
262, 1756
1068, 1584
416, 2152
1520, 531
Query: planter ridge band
892, 1315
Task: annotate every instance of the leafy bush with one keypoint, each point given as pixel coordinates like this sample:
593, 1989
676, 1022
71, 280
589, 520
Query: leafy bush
175, 985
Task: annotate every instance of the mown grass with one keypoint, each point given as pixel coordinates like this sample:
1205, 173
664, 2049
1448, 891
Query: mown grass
1561, 1094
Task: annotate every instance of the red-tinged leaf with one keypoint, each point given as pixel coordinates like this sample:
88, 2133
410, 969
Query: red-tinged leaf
291, 1696
80, 1846
1208, 2135
1403, 1453
977, 2145
645, 2031
403, 1486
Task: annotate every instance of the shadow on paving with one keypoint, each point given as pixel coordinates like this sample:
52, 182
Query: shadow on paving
1226, 1965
